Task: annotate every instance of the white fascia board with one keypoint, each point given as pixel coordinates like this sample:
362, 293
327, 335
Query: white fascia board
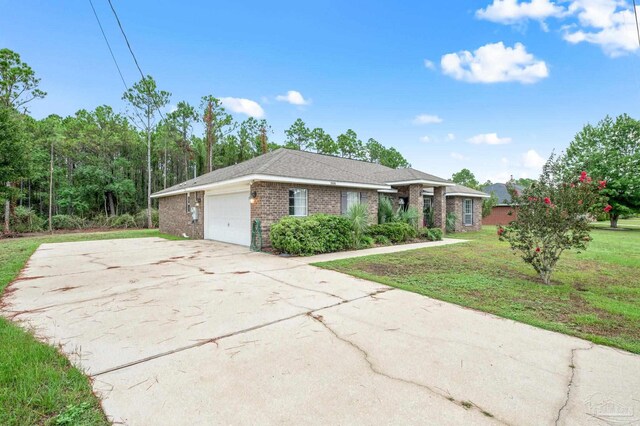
462, 194
457, 194
267, 178
388, 191
421, 182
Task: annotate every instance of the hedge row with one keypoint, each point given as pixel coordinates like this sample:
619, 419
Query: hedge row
321, 233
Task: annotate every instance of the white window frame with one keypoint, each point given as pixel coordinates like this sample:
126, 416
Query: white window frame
465, 214
306, 201
352, 202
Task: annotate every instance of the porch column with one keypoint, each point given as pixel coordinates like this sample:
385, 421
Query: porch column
439, 208
416, 201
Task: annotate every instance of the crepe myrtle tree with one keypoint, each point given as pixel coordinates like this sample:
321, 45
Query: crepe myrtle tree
553, 216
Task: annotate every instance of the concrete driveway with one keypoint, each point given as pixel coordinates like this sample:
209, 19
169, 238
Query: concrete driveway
197, 332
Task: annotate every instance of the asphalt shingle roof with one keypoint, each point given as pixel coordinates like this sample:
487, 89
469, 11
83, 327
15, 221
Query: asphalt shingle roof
501, 191
308, 165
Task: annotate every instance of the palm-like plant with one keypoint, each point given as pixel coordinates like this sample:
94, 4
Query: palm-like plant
385, 210
358, 215
410, 216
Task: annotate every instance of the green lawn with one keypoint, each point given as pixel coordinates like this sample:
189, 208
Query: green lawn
595, 294
38, 385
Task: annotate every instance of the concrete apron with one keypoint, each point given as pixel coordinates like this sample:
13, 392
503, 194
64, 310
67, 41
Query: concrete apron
197, 332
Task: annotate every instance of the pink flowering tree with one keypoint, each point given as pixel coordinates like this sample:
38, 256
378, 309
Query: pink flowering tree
553, 216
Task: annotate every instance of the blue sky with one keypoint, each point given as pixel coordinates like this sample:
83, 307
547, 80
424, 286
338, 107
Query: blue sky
491, 85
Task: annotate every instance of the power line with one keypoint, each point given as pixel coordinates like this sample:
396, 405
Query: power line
115, 61
108, 45
126, 39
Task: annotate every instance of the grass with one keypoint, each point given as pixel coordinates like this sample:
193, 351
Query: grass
38, 385
594, 295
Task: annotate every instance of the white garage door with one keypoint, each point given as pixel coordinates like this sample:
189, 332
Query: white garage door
228, 218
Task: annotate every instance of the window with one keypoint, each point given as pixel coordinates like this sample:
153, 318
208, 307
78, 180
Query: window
353, 198
297, 202
188, 204
468, 212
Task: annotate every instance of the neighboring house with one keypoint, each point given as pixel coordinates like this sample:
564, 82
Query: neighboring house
222, 205
500, 213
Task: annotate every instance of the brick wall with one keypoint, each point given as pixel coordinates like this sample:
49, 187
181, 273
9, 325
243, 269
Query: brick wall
174, 218
439, 206
416, 201
455, 205
500, 216
272, 202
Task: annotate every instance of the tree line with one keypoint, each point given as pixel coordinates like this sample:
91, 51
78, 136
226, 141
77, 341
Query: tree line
108, 162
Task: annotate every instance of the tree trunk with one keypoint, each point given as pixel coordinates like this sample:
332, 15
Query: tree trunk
164, 177
7, 211
51, 187
614, 220
149, 221
112, 207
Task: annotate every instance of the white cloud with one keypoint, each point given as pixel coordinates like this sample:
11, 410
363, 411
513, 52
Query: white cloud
293, 97
512, 11
489, 139
425, 139
243, 106
495, 63
427, 119
451, 136
532, 160
458, 156
429, 64
607, 23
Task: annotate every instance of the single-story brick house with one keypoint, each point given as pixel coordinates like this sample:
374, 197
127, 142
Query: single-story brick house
500, 212
223, 204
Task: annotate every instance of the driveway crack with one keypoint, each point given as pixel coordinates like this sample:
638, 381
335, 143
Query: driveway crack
376, 370
299, 287
572, 366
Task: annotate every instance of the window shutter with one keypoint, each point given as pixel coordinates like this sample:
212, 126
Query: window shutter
364, 198
343, 202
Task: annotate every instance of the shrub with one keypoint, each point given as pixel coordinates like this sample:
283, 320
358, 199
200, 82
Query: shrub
123, 221
410, 216
553, 216
24, 219
141, 218
381, 239
396, 232
385, 210
99, 221
358, 216
450, 223
365, 242
65, 221
319, 233
431, 234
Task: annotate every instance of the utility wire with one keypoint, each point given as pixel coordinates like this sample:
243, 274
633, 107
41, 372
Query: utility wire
126, 39
108, 45
115, 61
